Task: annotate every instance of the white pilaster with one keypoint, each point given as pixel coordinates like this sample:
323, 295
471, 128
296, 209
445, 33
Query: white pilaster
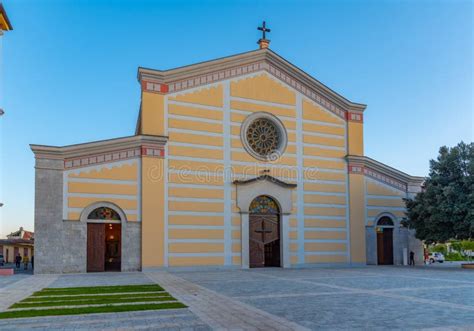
227, 177
285, 239
300, 177
244, 235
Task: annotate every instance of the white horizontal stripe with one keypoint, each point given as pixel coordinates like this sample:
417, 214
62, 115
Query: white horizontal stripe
195, 119
266, 103
330, 182
328, 135
197, 159
268, 165
193, 105
197, 241
335, 148
213, 187
319, 217
195, 145
333, 241
194, 172
194, 199
235, 124
105, 196
196, 227
246, 112
235, 149
194, 213
101, 181
324, 205
387, 197
195, 254
201, 133
324, 123
126, 211
341, 253
325, 193
314, 157
385, 208
306, 229
341, 171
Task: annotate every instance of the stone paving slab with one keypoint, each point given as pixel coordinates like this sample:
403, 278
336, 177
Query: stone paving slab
374, 298
23, 288
8, 280
172, 319
218, 311
101, 279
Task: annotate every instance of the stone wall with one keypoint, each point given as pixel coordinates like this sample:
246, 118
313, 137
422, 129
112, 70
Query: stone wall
48, 216
61, 245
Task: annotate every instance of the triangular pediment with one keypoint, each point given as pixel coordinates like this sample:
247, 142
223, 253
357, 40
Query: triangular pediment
211, 72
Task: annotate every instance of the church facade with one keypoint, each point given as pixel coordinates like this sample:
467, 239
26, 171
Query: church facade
244, 161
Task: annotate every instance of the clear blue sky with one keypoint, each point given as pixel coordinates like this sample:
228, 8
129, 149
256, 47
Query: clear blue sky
69, 70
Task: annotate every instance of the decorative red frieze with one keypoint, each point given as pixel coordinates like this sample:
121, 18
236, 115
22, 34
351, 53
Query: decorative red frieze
354, 168
229, 73
354, 117
114, 156
154, 87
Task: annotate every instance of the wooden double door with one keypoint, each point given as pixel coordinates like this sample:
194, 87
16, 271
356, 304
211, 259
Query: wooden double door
264, 241
104, 247
385, 246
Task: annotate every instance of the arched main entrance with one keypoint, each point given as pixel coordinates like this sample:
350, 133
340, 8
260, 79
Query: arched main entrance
384, 231
264, 233
104, 240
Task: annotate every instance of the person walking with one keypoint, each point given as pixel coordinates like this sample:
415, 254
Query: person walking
412, 258
32, 262
17, 260
26, 260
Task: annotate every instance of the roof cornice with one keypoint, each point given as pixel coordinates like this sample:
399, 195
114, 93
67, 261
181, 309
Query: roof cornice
385, 169
264, 178
97, 147
182, 78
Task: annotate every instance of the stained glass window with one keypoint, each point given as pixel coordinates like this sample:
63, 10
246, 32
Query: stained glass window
387, 221
263, 136
104, 213
263, 205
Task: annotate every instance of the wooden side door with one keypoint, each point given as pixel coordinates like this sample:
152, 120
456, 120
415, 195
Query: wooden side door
380, 248
95, 247
264, 235
388, 245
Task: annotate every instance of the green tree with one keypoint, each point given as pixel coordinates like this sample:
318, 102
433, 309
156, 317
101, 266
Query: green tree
445, 208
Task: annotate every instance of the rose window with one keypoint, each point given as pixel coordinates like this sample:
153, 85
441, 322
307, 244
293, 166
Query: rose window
263, 136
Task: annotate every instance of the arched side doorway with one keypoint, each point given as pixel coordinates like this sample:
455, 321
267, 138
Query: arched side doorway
264, 233
104, 240
384, 230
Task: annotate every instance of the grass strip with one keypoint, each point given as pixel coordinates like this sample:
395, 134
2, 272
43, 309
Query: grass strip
88, 310
88, 302
98, 289
87, 297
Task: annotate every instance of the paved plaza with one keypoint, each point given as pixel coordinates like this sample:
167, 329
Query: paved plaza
281, 299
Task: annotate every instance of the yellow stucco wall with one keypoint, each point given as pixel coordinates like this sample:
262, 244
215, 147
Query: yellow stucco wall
194, 131
357, 218
115, 182
153, 212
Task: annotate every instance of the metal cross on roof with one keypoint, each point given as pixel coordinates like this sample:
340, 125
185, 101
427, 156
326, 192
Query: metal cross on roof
264, 29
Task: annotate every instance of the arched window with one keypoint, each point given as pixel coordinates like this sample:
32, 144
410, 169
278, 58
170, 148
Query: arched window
263, 205
385, 221
104, 213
